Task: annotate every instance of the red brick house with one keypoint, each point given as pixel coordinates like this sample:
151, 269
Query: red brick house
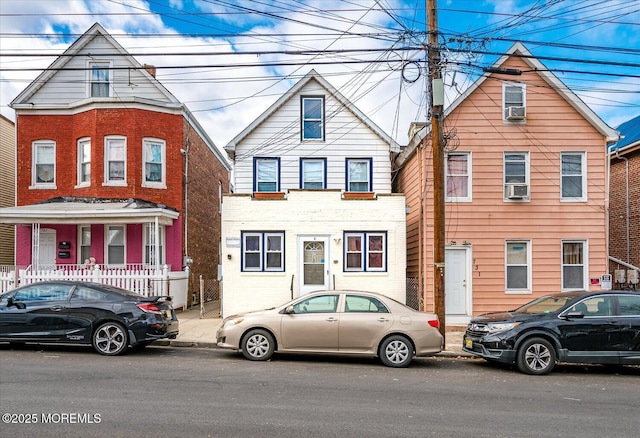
112, 167
624, 206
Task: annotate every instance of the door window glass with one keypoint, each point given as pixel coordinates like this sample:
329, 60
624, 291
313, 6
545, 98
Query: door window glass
318, 304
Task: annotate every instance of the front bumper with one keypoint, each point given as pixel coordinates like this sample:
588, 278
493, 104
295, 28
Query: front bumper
489, 347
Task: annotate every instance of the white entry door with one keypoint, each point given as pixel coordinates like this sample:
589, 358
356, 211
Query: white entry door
47, 247
313, 256
456, 284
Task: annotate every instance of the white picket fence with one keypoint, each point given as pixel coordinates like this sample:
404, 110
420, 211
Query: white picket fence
141, 279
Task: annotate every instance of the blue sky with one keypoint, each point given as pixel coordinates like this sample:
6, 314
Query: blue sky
237, 57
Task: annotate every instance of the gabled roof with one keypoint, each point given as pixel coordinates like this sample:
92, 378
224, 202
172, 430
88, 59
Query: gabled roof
171, 103
629, 135
518, 49
312, 75
75, 49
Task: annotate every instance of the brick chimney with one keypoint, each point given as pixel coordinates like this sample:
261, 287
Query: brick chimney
151, 69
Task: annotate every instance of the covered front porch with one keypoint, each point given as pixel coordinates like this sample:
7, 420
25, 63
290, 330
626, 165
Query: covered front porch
127, 243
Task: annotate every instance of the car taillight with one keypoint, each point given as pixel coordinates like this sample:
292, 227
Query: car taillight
149, 308
434, 323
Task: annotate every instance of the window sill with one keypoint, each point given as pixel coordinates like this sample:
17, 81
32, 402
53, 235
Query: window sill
155, 186
114, 184
269, 195
43, 187
82, 185
359, 195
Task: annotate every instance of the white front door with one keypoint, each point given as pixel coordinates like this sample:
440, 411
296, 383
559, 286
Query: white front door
313, 256
456, 286
47, 247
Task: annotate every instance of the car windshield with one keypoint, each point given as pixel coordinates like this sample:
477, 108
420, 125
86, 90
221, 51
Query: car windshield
546, 304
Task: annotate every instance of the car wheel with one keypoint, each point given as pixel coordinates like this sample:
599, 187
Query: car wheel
396, 351
110, 339
258, 345
536, 356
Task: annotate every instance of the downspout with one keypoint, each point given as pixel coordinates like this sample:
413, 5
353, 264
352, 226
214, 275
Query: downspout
627, 212
185, 186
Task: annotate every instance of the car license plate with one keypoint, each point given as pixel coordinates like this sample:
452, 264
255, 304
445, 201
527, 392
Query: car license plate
468, 343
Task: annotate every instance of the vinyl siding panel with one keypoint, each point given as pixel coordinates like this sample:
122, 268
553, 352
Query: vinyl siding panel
71, 84
552, 127
7, 187
345, 137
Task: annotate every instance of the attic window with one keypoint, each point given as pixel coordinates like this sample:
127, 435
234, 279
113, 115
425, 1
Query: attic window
99, 79
313, 118
514, 102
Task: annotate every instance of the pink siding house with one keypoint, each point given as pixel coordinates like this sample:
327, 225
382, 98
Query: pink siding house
526, 193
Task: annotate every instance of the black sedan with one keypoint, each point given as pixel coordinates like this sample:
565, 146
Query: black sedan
109, 318
577, 327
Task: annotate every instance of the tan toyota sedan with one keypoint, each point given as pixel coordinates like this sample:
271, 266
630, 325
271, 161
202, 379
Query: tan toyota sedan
344, 322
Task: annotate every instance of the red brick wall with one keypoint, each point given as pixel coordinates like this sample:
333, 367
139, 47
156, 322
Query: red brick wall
204, 224
65, 130
618, 210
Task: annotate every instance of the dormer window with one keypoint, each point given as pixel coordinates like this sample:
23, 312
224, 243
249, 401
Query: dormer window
514, 102
312, 118
99, 79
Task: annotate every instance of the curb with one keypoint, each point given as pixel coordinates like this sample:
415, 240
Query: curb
196, 344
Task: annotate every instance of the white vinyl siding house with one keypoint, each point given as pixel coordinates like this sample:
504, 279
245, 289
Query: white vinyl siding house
347, 137
311, 210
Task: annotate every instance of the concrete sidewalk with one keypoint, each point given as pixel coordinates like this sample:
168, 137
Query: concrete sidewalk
201, 332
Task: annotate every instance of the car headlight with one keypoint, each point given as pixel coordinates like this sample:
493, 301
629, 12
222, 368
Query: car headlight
502, 326
232, 322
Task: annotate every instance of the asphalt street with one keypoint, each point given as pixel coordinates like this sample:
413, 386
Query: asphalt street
205, 392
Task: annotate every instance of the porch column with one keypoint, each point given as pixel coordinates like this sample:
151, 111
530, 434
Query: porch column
156, 243
35, 245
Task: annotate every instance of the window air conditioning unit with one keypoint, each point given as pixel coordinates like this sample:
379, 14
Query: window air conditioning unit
515, 113
517, 191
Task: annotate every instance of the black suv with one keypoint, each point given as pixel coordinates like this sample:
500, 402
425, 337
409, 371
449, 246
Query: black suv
578, 327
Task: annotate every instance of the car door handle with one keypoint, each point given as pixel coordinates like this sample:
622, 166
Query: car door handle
332, 319
57, 308
382, 319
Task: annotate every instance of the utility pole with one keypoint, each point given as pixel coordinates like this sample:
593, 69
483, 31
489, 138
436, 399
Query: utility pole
437, 145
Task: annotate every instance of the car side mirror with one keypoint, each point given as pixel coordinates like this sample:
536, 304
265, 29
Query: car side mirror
289, 310
574, 315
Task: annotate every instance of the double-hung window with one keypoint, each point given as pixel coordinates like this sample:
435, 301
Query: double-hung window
44, 164
313, 173
84, 237
365, 251
312, 118
84, 162
153, 241
359, 174
573, 176
573, 265
154, 169
115, 151
516, 175
266, 174
518, 266
99, 79
263, 251
514, 102
458, 176
116, 239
